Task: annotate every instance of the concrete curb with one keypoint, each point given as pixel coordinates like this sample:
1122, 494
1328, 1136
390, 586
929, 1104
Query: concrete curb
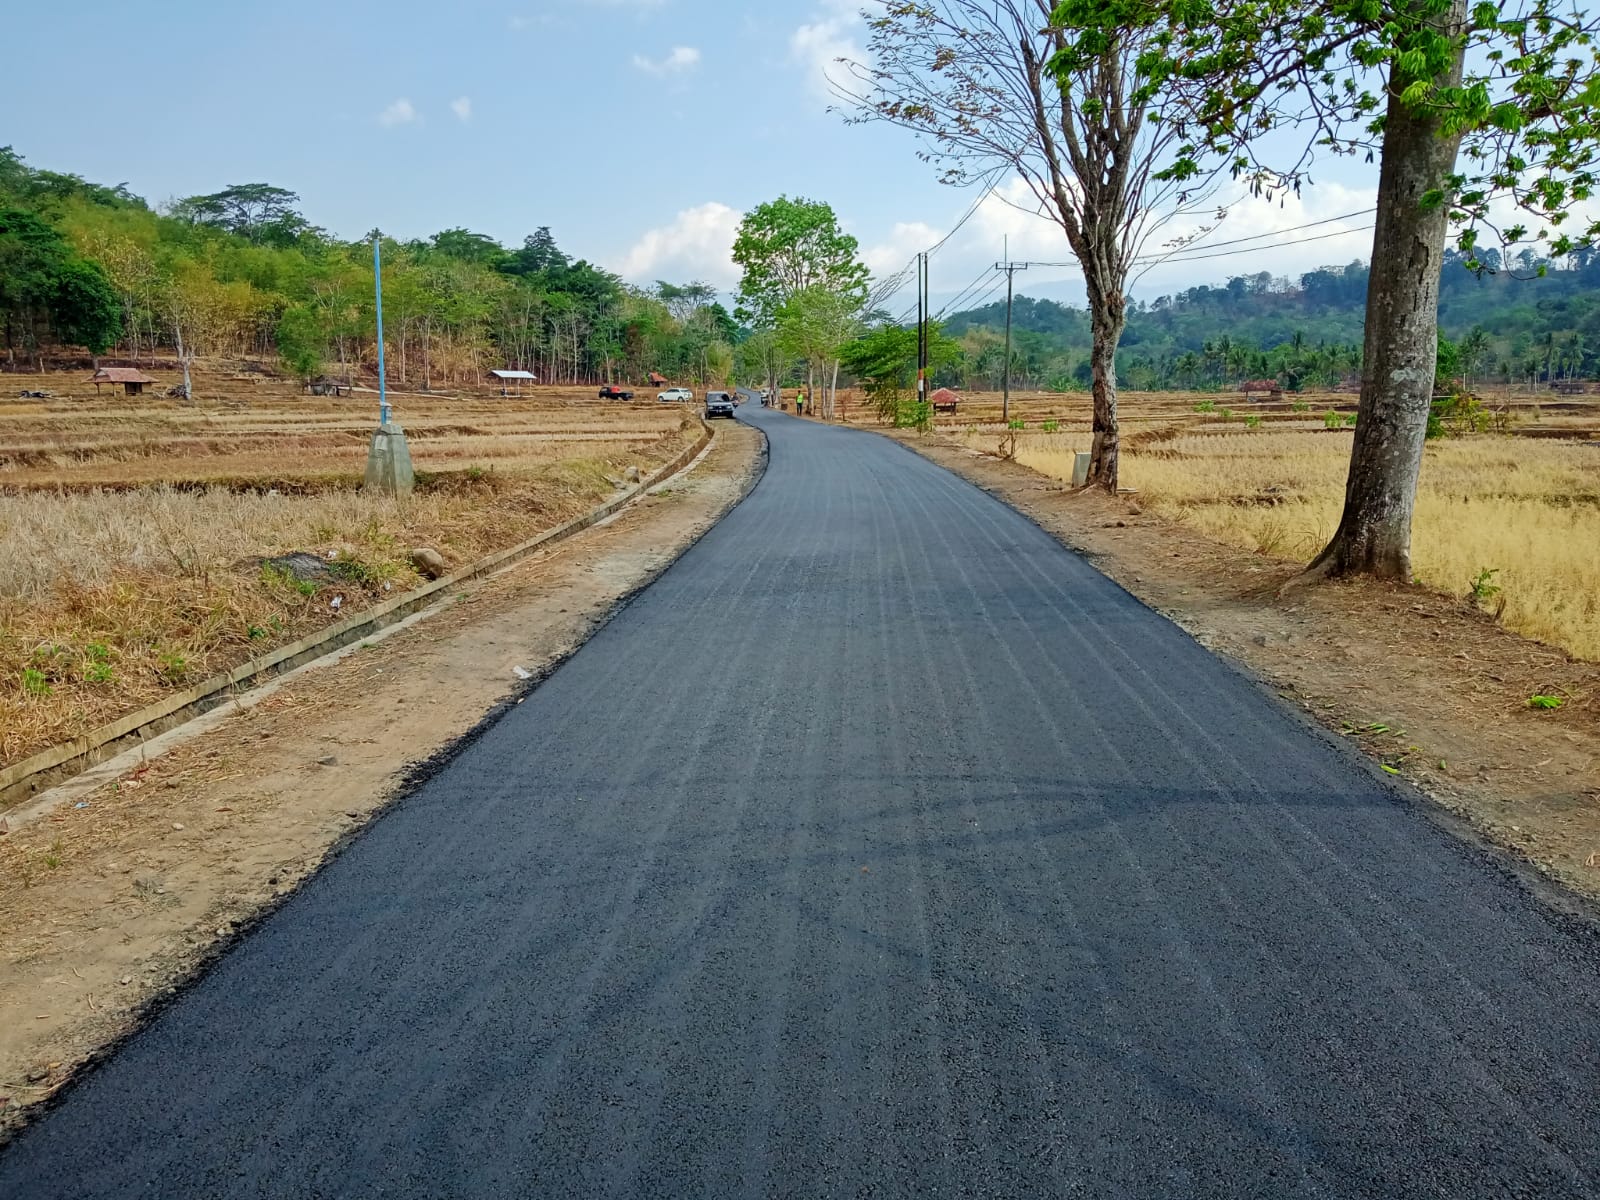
34, 774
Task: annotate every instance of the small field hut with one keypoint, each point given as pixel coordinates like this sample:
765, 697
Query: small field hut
513, 379
1255, 389
133, 380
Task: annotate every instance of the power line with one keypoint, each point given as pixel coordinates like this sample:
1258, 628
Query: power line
964, 292
1214, 249
982, 299
1256, 237
1185, 252
976, 204
1255, 249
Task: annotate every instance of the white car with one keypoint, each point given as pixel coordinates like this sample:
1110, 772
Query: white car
677, 394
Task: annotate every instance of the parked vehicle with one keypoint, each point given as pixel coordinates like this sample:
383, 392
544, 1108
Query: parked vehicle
678, 395
612, 392
719, 404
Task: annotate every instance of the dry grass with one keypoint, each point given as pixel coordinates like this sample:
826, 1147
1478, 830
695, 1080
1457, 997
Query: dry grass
1528, 509
132, 532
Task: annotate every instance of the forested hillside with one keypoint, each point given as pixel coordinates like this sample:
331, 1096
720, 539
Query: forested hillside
1511, 324
242, 272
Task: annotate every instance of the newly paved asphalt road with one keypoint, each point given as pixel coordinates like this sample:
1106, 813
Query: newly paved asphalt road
881, 848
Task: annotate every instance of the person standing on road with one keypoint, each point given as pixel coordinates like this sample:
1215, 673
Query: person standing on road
799, 402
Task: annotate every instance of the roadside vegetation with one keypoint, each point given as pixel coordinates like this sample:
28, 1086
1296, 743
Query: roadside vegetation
1511, 523
136, 546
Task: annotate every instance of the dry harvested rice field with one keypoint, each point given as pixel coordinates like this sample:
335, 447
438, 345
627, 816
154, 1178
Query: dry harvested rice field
133, 529
1522, 505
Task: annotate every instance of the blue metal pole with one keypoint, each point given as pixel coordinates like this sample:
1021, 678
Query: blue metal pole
377, 278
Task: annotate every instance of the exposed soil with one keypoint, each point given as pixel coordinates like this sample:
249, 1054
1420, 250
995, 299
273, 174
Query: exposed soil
120, 892
1427, 684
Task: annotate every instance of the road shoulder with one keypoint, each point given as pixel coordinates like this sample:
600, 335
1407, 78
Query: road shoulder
115, 899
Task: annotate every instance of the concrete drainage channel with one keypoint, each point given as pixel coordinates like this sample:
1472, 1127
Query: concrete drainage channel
44, 770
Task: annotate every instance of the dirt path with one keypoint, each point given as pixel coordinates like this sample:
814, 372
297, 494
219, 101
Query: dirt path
112, 900
1426, 684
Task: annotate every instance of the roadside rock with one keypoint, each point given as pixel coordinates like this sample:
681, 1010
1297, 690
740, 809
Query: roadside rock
308, 568
631, 474
429, 563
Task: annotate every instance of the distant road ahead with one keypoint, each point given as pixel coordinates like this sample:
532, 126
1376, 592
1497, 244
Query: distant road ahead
882, 848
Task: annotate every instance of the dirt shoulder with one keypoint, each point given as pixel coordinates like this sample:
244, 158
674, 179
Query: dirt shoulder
118, 895
1427, 685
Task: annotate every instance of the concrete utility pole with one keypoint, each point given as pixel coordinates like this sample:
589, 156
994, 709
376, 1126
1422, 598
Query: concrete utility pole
388, 457
922, 328
1010, 268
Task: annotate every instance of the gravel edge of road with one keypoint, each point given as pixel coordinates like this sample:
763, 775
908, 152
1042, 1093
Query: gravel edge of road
411, 778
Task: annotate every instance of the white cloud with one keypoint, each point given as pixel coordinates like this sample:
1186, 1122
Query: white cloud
462, 107
400, 112
678, 60
698, 244
829, 36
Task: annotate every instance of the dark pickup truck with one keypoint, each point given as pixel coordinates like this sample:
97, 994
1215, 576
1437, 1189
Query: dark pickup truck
718, 404
612, 392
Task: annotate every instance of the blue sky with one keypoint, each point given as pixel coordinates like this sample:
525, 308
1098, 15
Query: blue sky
638, 130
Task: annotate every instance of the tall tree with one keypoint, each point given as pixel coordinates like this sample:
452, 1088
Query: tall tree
257, 212
984, 83
1384, 77
684, 300
786, 247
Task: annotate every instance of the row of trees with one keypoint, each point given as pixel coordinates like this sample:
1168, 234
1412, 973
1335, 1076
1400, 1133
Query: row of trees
242, 273
1121, 113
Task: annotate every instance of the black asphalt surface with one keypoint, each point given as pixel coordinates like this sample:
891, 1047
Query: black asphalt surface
881, 848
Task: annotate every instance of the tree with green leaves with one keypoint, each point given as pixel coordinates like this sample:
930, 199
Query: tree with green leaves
884, 359
48, 292
1389, 78
257, 212
301, 343
975, 78
787, 248
813, 325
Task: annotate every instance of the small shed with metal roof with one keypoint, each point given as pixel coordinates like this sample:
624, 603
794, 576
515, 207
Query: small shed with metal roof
514, 378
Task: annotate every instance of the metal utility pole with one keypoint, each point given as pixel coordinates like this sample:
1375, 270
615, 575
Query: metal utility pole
1010, 268
377, 286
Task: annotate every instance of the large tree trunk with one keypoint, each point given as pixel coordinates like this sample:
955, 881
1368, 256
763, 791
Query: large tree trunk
1107, 316
1374, 534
